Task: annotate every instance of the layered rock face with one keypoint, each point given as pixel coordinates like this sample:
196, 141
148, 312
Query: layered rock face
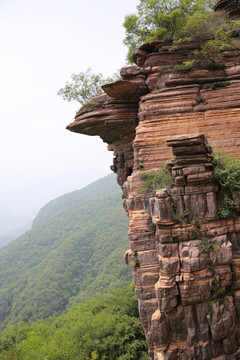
186, 261
194, 264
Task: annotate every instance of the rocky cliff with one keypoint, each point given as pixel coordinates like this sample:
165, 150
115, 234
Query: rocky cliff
185, 260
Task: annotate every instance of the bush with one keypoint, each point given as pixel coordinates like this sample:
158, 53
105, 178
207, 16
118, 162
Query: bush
163, 20
227, 175
211, 34
182, 21
213, 65
186, 66
180, 219
216, 84
156, 179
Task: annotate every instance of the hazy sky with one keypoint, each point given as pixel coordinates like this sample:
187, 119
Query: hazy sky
42, 43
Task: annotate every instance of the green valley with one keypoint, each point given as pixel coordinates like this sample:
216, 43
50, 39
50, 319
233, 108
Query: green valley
103, 328
73, 252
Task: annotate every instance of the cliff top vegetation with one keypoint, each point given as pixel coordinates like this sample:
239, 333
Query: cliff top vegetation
176, 21
180, 21
83, 86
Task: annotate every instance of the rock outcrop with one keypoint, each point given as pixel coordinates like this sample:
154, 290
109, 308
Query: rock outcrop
185, 260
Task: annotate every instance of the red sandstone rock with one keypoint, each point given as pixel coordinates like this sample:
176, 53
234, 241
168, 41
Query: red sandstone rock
230, 6
178, 267
123, 89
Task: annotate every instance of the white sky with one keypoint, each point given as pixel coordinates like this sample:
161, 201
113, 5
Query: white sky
42, 42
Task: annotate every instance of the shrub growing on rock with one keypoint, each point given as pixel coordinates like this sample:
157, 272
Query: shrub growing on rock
156, 179
227, 175
181, 22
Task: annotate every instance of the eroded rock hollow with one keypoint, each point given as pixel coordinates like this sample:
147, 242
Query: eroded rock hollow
186, 268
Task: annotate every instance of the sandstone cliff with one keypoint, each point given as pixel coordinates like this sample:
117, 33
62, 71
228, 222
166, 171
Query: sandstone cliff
186, 272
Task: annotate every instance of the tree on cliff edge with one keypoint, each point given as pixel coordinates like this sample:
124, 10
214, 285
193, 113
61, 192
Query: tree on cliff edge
162, 20
83, 87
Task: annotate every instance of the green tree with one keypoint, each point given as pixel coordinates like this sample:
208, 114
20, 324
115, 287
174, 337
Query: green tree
211, 34
226, 173
162, 20
84, 86
102, 328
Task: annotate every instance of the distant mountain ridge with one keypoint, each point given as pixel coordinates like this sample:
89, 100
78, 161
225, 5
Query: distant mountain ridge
8, 220
6, 239
103, 186
76, 253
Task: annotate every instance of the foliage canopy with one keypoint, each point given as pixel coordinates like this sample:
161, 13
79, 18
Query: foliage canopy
161, 20
103, 328
180, 21
227, 175
84, 86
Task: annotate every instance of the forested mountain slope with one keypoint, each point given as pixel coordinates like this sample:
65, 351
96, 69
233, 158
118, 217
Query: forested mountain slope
75, 254
103, 186
7, 238
102, 328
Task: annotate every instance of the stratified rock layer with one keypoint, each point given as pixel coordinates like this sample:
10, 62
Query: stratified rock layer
183, 257
114, 120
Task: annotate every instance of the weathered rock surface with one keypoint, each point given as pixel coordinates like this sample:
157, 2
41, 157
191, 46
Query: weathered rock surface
186, 268
231, 7
114, 120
